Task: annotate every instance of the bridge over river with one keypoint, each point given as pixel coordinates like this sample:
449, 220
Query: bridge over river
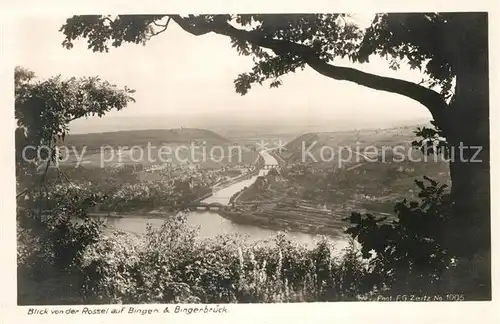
205, 215
200, 205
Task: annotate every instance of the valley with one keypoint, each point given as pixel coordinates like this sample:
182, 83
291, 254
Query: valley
295, 195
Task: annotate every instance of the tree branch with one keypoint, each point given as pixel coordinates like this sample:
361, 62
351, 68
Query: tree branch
109, 20
160, 25
432, 100
22, 193
192, 29
429, 98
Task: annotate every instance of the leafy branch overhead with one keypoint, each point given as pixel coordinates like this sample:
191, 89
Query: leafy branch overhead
280, 44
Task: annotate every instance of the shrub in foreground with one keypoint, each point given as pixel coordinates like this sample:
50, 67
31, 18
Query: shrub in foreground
169, 265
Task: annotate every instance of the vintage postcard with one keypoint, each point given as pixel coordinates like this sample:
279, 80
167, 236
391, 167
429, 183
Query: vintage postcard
196, 166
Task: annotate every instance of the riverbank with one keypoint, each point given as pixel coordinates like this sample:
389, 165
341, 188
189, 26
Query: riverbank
145, 212
257, 219
167, 211
234, 180
289, 218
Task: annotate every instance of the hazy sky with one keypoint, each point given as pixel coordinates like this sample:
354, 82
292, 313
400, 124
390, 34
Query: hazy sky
177, 73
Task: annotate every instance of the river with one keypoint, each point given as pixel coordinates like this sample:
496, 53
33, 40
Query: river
211, 224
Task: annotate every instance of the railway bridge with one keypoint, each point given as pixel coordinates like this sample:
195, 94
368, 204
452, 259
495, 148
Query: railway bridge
271, 166
201, 206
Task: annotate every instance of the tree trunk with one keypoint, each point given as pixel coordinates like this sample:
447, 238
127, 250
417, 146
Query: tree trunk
469, 237
470, 234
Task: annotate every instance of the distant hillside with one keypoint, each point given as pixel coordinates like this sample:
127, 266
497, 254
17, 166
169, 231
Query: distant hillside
210, 150
143, 137
374, 183
241, 123
314, 142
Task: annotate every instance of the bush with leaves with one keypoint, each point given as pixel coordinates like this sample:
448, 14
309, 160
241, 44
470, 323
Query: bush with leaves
409, 254
108, 266
52, 237
171, 265
53, 228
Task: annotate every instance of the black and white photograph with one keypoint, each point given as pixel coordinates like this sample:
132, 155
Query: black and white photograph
204, 160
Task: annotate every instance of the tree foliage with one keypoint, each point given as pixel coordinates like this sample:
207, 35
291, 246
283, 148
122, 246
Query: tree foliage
44, 109
439, 44
53, 227
409, 254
